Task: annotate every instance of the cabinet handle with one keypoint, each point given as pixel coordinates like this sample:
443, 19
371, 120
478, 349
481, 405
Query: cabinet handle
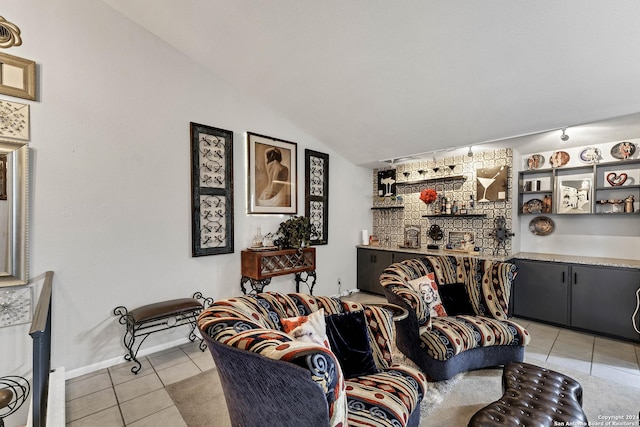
563, 278
575, 278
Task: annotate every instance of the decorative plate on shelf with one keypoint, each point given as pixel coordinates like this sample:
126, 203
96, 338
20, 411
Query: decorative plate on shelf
623, 150
536, 161
533, 206
559, 159
590, 155
541, 226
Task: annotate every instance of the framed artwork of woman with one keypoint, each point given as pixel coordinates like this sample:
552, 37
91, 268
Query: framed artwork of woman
272, 175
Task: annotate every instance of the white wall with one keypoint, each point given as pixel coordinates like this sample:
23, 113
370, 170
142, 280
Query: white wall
110, 205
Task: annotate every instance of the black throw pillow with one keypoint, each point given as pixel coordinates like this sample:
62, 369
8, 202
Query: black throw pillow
455, 299
349, 341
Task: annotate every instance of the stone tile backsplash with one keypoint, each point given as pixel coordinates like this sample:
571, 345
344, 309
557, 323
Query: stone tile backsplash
407, 209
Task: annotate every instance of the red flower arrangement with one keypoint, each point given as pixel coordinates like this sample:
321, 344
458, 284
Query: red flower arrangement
428, 195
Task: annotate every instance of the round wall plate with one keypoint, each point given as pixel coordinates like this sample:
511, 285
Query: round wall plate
541, 226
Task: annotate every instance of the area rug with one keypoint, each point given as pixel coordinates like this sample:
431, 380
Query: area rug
436, 392
451, 403
200, 400
476, 389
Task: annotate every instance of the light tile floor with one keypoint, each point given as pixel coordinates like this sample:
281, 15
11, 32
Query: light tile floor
116, 397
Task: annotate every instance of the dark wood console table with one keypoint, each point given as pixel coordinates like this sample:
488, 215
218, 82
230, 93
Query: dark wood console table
258, 267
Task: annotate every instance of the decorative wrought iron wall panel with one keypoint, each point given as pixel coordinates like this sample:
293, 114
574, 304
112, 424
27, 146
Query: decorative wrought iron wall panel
317, 194
212, 190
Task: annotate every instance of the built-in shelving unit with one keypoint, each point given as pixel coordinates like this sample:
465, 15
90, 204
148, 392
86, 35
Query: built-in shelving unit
540, 190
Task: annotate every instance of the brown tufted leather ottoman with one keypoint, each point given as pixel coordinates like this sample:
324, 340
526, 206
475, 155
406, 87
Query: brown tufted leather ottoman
533, 396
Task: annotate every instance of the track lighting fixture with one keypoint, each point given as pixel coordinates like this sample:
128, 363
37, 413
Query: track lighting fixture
564, 137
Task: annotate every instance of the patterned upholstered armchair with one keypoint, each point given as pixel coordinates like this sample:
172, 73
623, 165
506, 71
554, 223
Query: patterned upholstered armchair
270, 378
471, 329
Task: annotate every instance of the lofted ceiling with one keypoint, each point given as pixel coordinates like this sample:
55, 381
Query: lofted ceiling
377, 79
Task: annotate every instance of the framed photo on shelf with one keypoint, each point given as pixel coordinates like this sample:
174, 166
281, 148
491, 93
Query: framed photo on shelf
411, 236
273, 175
574, 194
461, 240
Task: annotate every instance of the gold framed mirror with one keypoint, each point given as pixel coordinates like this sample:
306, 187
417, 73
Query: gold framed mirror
14, 214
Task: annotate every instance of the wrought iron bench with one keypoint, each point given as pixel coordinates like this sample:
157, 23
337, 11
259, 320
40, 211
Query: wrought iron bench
148, 319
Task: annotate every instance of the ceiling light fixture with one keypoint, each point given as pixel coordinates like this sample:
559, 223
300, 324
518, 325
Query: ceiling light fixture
564, 137
470, 153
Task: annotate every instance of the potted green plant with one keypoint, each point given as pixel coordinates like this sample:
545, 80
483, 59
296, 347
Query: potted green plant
294, 233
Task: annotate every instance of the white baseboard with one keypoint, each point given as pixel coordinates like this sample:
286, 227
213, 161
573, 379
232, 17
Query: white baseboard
117, 360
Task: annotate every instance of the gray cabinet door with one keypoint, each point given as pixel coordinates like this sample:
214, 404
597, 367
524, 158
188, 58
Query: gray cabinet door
541, 291
371, 264
604, 299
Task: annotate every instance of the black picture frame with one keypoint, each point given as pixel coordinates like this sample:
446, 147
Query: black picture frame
387, 183
212, 190
316, 193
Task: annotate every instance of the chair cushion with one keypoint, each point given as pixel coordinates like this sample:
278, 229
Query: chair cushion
428, 288
162, 309
449, 336
349, 341
455, 299
311, 328
389, 397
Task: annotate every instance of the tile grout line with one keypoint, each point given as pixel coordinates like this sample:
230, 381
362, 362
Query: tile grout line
164, 386
117, 398
593, 354
553, 345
